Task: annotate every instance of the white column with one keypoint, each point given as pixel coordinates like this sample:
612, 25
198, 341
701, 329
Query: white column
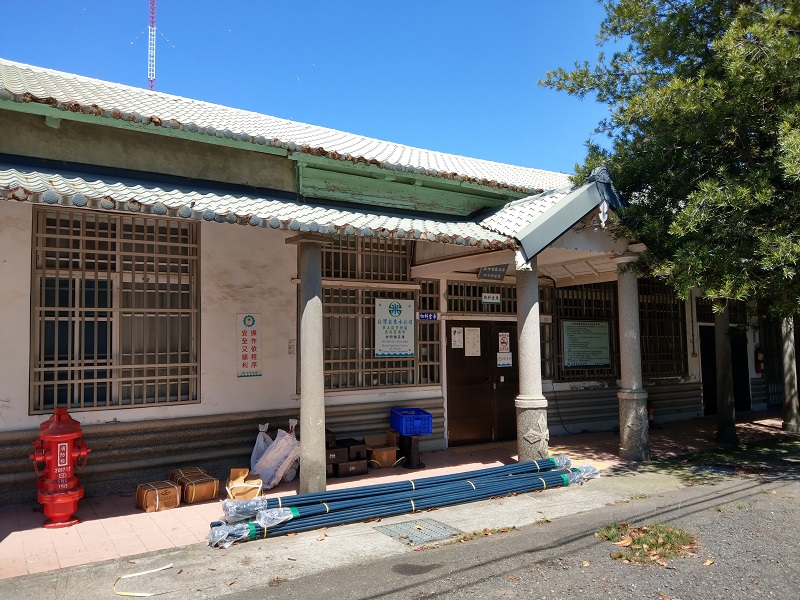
312, 383
634, 437
533, 436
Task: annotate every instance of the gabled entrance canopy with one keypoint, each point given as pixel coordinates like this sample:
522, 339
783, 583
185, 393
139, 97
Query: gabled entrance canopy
559, 227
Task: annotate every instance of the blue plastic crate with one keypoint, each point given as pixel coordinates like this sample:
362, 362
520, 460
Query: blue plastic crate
411, 421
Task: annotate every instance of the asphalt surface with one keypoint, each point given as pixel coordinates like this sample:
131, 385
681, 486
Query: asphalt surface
743, 506
749, 531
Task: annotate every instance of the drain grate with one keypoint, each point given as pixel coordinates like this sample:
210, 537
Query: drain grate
418, 531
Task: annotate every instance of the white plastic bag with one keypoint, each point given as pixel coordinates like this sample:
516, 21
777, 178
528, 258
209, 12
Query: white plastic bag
279, 458
263, 441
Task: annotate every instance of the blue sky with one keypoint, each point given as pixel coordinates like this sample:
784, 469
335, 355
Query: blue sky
450, 75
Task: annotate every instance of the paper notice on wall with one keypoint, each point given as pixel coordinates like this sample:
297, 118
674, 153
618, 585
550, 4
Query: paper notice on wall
248, 330
472, 341
504, 359
457, 337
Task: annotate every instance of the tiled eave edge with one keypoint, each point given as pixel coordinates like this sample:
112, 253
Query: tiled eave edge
30, 103
132, 206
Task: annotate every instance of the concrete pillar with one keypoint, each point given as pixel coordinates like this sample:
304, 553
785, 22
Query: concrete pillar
726, 405
634, 436
312, 383
533, 437
791, 411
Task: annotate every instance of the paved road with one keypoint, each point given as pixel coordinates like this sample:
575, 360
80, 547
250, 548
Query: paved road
750, 529
744, 507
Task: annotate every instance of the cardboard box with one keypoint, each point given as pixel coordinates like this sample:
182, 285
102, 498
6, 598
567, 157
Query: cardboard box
336, 455
242, 485
198, 488
176, 474
380, 452
392, 437
158, 495
356, 450
330, 437
351, 468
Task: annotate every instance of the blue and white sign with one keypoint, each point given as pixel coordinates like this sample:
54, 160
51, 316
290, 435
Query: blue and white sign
428, 316
394, 327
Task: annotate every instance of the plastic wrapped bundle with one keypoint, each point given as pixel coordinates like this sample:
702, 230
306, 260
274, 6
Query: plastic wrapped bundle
578, 475
243, 510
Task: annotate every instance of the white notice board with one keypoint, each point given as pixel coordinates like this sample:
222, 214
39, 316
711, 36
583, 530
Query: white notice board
586, 344
472, 341
394, 327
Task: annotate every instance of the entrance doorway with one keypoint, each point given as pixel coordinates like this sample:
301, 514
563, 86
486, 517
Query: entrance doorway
481, 384
708, 368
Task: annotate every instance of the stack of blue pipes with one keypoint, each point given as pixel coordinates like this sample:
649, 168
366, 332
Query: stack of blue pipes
267, 517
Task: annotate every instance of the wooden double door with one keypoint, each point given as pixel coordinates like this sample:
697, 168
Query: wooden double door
482, 381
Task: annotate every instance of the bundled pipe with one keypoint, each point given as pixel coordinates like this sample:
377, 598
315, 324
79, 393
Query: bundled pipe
284, 520
240, 510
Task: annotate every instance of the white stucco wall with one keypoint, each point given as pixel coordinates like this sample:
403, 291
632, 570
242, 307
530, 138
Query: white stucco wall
242, 270
246, 270
15, 318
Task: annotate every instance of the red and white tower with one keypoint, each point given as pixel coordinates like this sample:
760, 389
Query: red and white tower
151, 47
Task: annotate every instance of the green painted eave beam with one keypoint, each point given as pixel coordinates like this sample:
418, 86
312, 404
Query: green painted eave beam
361, 188
53, 115
500, 194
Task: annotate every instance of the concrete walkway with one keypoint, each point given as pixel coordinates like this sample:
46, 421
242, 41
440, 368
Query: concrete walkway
111, 528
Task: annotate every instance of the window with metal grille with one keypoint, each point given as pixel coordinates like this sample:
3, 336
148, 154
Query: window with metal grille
356, 272
115, 311
428, 359
594, 302
468, 297
367, 259
662, 325
737, 311
546, 330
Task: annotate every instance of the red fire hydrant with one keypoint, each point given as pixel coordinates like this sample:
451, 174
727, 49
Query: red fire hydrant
62, 451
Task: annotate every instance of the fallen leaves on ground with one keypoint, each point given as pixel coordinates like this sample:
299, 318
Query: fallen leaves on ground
644, 544
624, 542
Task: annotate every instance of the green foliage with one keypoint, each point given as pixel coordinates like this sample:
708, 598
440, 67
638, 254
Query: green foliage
704, 136
647, 544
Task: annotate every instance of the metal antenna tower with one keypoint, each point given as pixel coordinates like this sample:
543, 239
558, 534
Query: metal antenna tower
151, 47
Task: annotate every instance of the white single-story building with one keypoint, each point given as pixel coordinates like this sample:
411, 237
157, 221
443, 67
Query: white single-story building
175, 272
